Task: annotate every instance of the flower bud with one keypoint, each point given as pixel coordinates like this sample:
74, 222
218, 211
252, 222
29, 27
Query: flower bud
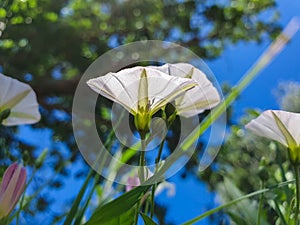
11, 188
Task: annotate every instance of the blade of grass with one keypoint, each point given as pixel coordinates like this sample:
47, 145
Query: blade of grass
71, 215
81, 193
80, 215
278, 210
233, 202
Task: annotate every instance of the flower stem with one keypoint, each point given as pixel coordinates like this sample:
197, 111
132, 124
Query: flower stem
4, 221
296, 168
157, 160
138, 204
260, 203
142, 176
142, 159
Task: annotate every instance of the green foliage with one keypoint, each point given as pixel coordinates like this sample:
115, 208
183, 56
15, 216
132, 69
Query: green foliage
119, 209
147, 220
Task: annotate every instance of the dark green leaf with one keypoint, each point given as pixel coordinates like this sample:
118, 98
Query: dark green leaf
127, 218
117, 207
147, 220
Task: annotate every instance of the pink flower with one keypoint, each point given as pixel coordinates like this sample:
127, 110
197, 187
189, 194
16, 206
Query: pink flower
11, 188
132, 182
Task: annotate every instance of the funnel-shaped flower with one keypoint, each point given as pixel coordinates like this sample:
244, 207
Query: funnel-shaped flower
142, 91
18, 104
11, 188
203, 96
280, 126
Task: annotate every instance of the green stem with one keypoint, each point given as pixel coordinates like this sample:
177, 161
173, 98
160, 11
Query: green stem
281, 216
152, 200
142, 159
136, 218
260, 203
233, 202
296, 168
157, 160
141, 171
3, 221
81, 213
17, 214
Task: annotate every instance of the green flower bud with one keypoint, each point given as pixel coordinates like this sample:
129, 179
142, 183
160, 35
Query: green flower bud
4, 114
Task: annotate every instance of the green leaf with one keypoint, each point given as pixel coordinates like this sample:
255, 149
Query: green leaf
127, 218
147, 220
78, 199
117, 207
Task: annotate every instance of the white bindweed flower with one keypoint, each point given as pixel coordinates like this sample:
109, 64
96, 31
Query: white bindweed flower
141, 90
18, 103
203, 96
168, 186
280, 126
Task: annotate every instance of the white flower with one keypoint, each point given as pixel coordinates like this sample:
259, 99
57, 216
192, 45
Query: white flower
18, 101
280, 126
203, 96
168, 186
141, 90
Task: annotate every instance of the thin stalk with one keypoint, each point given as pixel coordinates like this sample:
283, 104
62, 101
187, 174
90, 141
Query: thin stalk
296, 220
4, 221
136, 218
157, 160
81, 213
278, 210
146, 211
260, 203
17, 214
77, 201
142, 177
152, 200
235, 201
142, 159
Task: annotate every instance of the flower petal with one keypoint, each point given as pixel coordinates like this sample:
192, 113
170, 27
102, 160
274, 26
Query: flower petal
265, 125
12, 187
203, 96
21, 99
168, 186
123, 87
